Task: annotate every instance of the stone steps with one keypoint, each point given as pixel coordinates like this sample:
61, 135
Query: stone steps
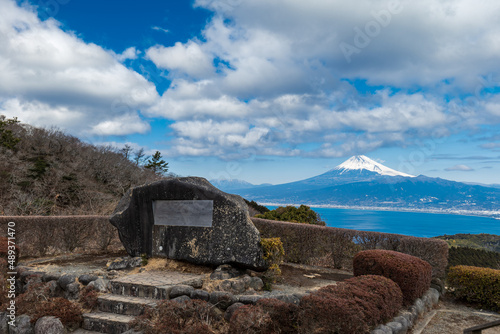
128, 298
140, 290
104, 322
84, 331
125, 305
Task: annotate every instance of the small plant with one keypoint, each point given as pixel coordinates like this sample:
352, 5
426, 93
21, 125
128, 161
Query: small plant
144, 259
273, 253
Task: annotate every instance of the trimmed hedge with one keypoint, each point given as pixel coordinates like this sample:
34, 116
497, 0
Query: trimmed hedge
306, 243
476, 285
412, 274
43, 235
353, 306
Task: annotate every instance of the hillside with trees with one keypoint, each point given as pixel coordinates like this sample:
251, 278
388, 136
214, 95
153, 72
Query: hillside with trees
47, 172
489, 242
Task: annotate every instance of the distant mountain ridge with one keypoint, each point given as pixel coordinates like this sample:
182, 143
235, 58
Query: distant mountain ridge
228, 185
362, 182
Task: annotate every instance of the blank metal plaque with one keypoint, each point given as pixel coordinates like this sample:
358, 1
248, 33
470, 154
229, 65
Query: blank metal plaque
183, 213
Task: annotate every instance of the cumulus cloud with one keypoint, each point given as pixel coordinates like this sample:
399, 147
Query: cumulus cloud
459, 168
186, 58
129, 53
52, 77
290, 78
271, 77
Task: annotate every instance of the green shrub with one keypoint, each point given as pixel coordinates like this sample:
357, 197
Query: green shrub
353, 306
476, 285
465, 256
302, 214
412, 274
257, 207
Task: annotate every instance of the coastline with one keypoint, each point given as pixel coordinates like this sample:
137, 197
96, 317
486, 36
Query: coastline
470, 213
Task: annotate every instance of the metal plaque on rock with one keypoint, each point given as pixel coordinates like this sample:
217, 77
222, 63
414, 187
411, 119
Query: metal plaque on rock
194, 213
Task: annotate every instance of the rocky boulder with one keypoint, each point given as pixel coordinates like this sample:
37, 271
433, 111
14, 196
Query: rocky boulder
230, 237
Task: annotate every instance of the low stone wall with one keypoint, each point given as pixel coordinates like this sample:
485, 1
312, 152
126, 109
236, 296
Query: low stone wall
52, 235
408, 318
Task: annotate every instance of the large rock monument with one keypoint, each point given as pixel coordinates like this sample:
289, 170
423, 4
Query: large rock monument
188, 219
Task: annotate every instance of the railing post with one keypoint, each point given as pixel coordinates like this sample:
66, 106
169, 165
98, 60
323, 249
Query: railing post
479, 329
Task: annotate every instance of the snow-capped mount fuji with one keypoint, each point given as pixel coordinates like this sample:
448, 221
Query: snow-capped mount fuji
363, 182
361, 162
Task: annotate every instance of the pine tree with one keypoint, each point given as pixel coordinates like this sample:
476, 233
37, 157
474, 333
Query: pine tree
157, 164
7, 138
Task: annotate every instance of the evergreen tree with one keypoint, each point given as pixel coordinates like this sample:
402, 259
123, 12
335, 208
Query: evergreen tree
7, 138
157, 164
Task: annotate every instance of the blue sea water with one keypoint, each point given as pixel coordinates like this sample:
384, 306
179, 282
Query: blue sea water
408, 223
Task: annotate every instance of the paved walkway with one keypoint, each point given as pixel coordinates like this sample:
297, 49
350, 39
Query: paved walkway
451, 318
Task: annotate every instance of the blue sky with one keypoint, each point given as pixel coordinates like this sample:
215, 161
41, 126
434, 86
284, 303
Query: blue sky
265, 91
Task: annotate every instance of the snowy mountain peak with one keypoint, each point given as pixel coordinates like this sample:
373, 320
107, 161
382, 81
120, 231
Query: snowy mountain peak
360, 162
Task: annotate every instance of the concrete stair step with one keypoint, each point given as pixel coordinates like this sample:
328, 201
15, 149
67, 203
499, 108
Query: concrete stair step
84, 331
140, 290
104, 322
127, 305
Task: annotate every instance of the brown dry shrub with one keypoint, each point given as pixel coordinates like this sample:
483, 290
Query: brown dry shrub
88, 298
353, 306
284, 316
189, 317
326, 313
36, 303
412, 274
43, 235
251, 319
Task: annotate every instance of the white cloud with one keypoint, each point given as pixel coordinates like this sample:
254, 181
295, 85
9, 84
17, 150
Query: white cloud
121, 125
186, 58
129, 53
52, 77
279, 68
459, 168
160, 29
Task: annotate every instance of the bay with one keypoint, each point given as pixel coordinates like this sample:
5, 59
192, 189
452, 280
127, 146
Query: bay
417, 224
